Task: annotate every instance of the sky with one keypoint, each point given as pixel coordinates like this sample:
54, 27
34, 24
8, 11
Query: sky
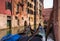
48, 3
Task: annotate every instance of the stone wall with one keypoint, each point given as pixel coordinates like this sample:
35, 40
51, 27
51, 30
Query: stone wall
3, 21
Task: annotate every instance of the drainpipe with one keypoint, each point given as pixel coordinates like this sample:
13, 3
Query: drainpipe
35, 15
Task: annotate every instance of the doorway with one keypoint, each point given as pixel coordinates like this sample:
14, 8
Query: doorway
9, 24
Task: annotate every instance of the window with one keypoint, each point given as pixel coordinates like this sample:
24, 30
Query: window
22, 8
22, 18
32, 0
29, 5
9, 21
40, 6
18, 22
29, 11
16, 17
8, 5
45, 22
17, 9
40, 12
34, 7
9, 17
29, 18
20, 4
41, 1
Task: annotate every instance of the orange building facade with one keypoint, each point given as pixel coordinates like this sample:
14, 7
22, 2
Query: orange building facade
17, 13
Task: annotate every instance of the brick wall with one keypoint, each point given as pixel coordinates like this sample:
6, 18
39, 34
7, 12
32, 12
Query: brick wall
59, 19
55, 19
46, 13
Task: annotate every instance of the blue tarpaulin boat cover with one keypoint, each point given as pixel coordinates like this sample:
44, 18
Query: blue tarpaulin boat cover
11, 37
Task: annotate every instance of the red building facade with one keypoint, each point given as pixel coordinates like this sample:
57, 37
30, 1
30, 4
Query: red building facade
55, 19
5, 16
3, 7
46, 13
